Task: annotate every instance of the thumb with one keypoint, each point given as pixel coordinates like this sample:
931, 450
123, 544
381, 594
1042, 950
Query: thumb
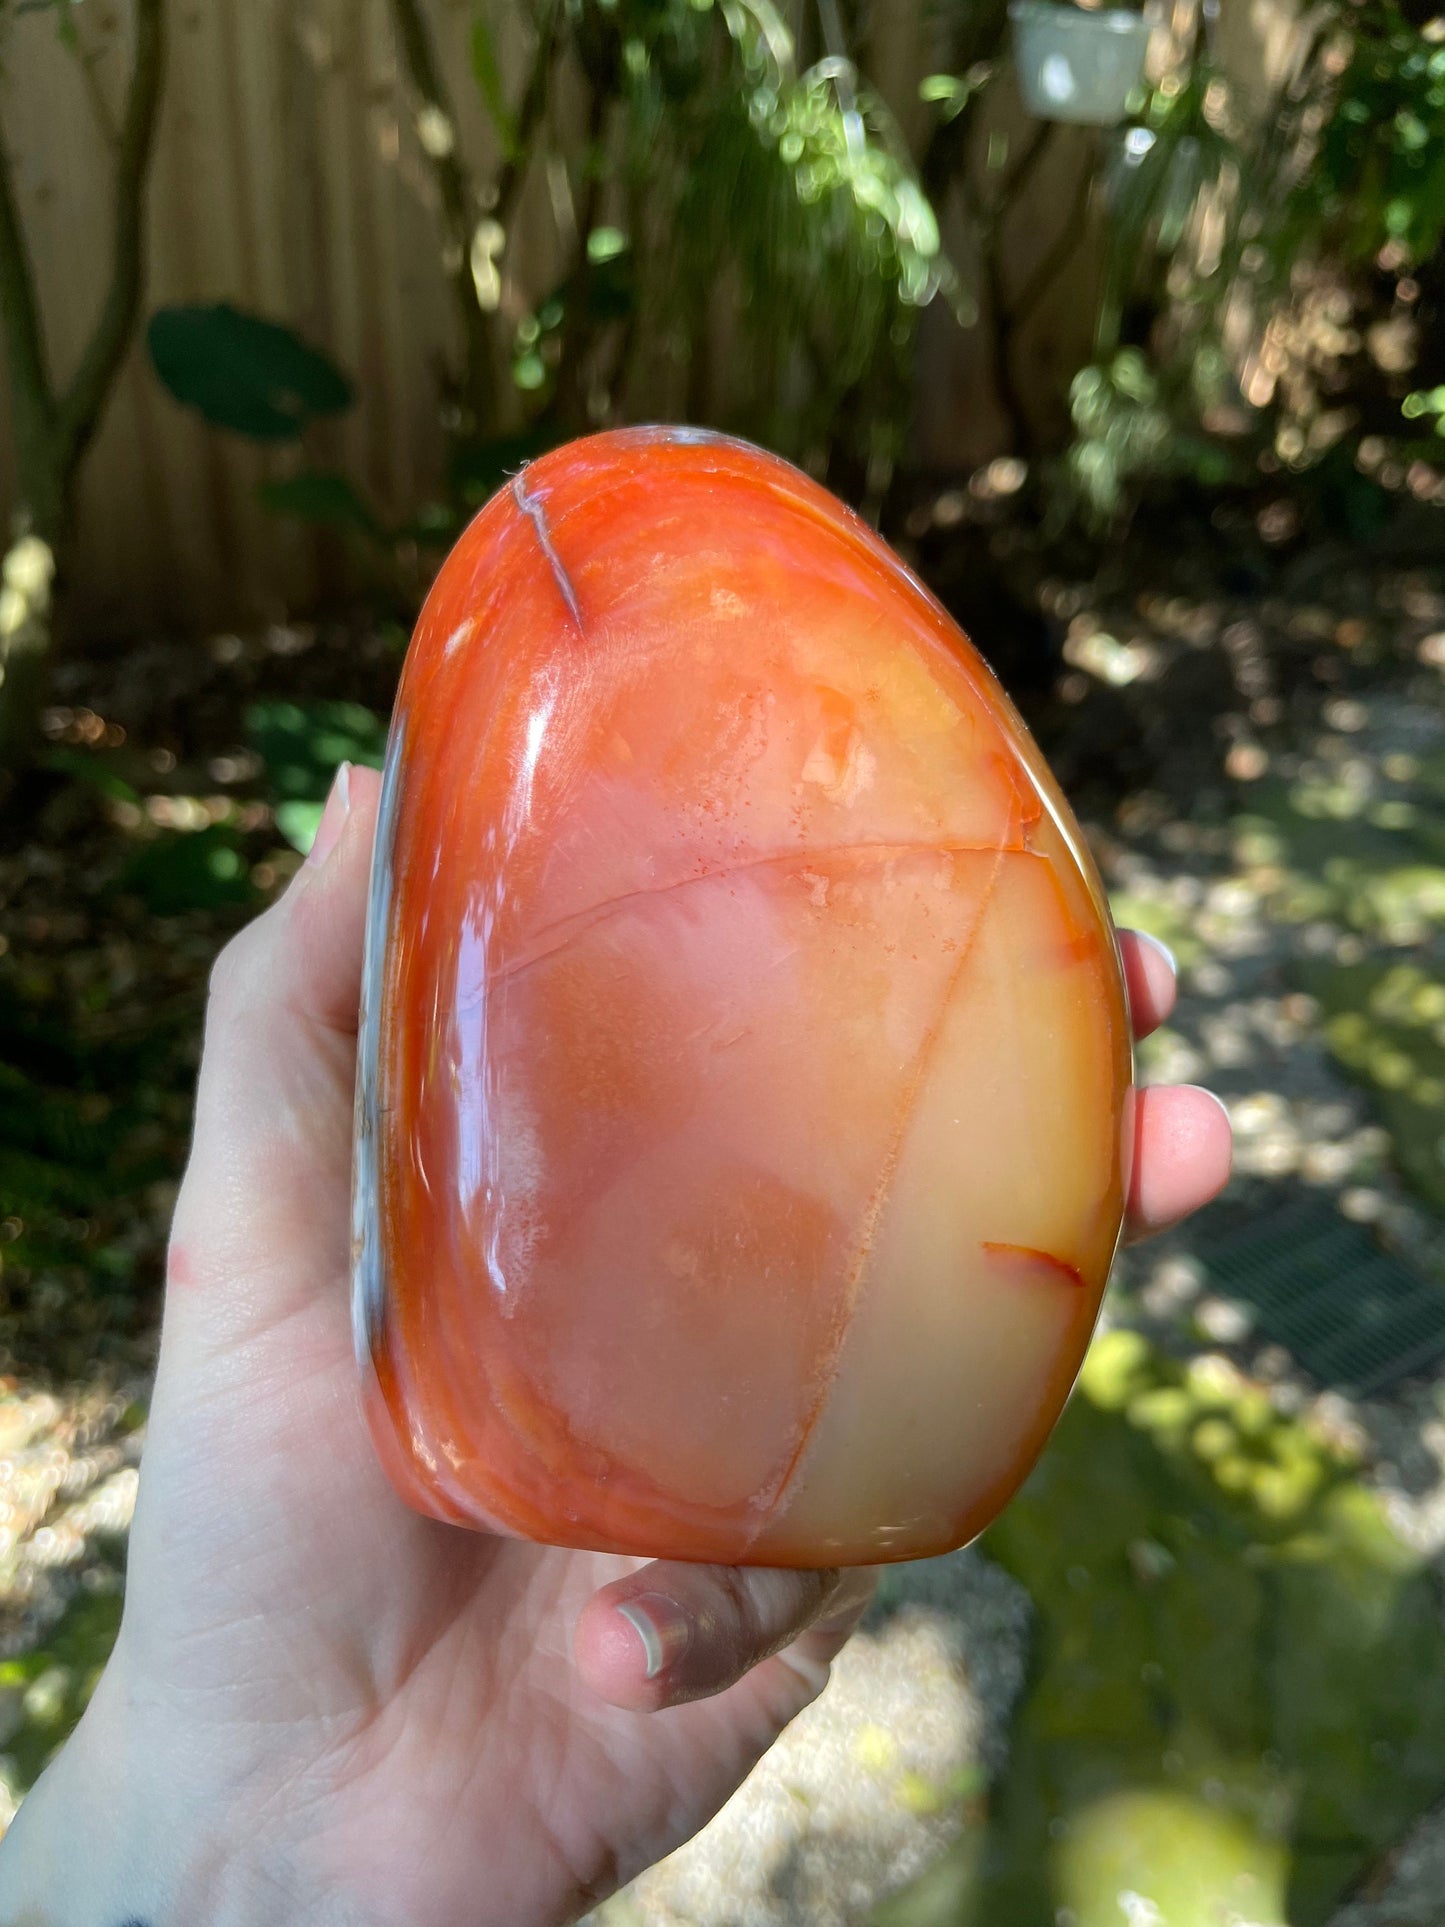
261, 1222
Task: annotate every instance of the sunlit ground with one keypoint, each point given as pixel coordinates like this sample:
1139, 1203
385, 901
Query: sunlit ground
1197, 1676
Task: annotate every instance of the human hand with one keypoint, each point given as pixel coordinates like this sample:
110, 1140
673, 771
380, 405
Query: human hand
323, 1707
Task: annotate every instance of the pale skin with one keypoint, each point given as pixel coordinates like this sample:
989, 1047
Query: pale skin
323, 1708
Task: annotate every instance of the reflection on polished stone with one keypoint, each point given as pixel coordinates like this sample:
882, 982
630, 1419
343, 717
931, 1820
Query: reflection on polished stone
744, 1055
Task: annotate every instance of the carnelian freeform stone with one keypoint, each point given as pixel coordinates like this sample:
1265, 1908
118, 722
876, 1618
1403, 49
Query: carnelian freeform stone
744, 1053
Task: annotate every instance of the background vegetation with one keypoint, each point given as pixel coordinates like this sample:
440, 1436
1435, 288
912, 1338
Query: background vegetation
1208, 560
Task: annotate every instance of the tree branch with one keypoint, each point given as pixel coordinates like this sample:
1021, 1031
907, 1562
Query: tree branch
513, 177
86, 61
78, 414
32, 400
570, 398
1063, 245
458, 214
1023, 172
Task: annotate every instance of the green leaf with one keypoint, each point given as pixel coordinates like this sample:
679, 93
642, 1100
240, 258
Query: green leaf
605, 244
487, 73
86, 767
952, 92
190, 870
324, 498
301, 744
298, 823
1422, 402
243, 372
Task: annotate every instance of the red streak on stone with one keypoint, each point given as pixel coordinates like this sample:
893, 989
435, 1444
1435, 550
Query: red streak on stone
1026, 1255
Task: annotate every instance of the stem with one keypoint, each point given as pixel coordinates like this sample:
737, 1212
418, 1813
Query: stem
86, 61
1019, 179
513, 177
1008, 319
986, 222
79, 409
458, 202
570, 399
626, 349
1064, 244
1005, 319
32, 401
1003, 376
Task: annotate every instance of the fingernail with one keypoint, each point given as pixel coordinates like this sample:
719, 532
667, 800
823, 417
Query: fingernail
1158, 943
1204, 1091
663, 1627
333, 817
851, 1600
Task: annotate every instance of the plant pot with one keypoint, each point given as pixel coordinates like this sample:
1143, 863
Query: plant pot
1076, 65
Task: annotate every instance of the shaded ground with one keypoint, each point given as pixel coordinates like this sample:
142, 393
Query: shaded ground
1230, 1561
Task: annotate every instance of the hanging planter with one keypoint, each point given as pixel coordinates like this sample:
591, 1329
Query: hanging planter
1077, 65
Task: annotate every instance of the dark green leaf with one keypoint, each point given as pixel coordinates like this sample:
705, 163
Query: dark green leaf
86, 767
301, 744
243, 372
190, 870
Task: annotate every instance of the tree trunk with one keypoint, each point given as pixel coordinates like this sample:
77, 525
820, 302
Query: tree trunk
52, 429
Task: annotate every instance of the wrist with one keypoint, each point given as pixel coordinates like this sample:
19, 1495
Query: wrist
142, 1822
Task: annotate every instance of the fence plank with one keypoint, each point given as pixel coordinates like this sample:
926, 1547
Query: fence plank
288, 178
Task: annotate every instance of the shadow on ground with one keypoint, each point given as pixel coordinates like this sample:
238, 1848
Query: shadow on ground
1234, 1700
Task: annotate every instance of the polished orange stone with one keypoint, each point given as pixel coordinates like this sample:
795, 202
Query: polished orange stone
744, 1052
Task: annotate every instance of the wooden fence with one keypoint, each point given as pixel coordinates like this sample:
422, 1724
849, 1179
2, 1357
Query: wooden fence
288, 178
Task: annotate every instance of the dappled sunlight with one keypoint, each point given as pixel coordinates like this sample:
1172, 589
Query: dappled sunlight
1304, 907
67, 1491
1232, 1706
1222, 1611
867, 1786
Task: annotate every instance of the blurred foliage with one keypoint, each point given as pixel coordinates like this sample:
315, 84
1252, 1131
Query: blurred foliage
1357, 845
800, 189
190, 870
729, 194
1125, 429
101, 994
44, 1692
300, 745
1385, 1022
1378, 171
1209, 1646
91, 1115
1244, 239
744, 241
741, 237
